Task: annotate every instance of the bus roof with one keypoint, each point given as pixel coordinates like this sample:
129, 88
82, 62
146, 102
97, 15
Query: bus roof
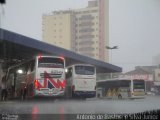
125, 79
84, 64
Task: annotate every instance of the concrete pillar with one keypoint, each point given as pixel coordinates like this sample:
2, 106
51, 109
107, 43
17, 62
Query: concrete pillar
1, 73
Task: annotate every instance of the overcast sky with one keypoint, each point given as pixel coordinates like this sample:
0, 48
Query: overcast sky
134, 25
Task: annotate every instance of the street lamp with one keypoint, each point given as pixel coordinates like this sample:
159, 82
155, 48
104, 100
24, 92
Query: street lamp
114, 47
111, 48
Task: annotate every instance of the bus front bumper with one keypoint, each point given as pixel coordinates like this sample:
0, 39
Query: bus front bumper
41, 93
137, 97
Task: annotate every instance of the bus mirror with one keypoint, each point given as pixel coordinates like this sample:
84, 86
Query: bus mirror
20, 71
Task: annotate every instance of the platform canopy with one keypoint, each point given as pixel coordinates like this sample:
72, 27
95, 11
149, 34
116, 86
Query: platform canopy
16, 48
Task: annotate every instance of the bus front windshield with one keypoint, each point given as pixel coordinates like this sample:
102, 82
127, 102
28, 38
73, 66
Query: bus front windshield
84, 70
47, 62
138, 84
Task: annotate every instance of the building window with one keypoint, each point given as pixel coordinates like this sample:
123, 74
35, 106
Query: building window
86, 36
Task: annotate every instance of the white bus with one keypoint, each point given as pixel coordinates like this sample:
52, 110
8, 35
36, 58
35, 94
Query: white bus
81, 81
40, 76
122, 88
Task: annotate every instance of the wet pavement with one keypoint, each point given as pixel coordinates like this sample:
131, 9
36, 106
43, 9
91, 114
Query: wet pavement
62, 109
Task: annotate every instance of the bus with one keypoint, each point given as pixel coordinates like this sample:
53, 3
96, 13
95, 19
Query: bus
121, 88
40, 76
81, 81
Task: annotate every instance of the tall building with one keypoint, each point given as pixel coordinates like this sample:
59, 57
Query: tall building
57, 28
85, 31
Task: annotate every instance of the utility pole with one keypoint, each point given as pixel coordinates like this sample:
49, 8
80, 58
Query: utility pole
2, 2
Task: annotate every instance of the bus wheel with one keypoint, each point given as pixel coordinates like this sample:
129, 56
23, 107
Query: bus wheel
119, 96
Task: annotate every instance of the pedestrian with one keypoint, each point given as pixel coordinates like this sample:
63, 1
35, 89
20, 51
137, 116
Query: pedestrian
3, 88
23, 91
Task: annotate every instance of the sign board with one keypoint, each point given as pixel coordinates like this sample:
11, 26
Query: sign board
147, 77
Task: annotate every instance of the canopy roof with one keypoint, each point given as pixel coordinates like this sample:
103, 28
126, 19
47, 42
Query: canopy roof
15, 47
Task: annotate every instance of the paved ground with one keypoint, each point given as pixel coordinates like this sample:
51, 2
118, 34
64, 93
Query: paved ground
76, 107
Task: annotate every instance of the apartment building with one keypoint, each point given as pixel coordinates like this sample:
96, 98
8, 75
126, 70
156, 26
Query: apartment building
84, 31
57, 29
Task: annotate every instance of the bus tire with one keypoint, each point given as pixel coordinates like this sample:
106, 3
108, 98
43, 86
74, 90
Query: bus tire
119, 96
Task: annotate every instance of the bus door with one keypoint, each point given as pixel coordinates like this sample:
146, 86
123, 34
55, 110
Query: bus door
138, 87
